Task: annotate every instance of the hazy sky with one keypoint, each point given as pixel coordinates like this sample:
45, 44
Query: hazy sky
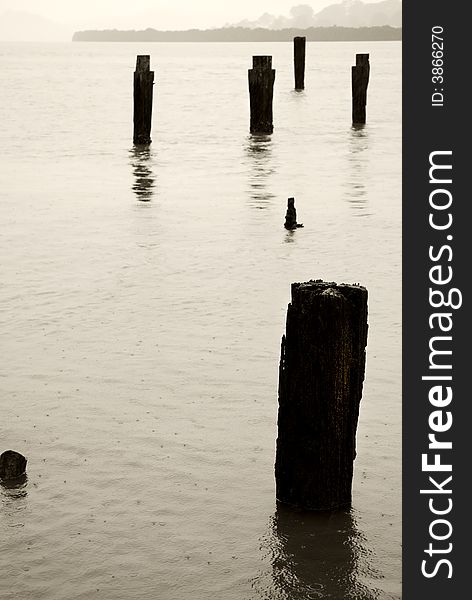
169, 13
139, 14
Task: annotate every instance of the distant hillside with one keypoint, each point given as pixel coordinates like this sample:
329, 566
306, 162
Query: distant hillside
354, 13
243, 34
349, 13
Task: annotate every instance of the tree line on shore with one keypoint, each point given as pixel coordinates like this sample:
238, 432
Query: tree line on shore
243, 34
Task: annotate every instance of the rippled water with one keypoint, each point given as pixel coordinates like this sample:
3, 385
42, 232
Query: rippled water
144, 295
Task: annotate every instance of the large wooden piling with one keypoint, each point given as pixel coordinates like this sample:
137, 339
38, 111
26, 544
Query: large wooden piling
320, 388
143, 84
360, 81
261, 91
299, 47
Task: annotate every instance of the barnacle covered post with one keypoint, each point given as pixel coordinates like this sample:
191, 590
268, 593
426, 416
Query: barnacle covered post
321, 376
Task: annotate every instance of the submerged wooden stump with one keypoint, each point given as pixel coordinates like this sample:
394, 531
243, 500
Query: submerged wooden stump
360, 81
299, 49
142, 92
12, 465
320, 388
291, 215
261, 91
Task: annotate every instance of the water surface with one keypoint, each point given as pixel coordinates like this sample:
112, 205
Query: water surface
143, 297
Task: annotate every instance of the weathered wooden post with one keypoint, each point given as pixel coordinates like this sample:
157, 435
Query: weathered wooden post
261, 91
299, 46
291, 215
320, 388
360, 81
12, 465
143, 83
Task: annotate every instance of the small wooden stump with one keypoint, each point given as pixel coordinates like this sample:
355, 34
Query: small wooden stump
261, 92
143, 84
299, 50
291, 215
12, 465
320, 388
360, 81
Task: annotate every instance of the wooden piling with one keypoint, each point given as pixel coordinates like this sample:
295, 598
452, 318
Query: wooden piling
143, 84
299, 47
320, 388
360, 81
261, 91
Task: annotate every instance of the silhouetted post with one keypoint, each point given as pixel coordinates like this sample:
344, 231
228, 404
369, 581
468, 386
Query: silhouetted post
143, 83
12, 465
360, 81
261, 91
299, 46
320, 388
291, 215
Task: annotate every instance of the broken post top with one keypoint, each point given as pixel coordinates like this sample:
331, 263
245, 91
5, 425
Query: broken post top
319, 287
143, 62
290, 202
262, 62
362, 60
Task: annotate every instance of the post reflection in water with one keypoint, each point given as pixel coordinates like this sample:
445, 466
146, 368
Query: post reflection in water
259, 153
144, 178
315, 555
13, 496
358, 158
290, 236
